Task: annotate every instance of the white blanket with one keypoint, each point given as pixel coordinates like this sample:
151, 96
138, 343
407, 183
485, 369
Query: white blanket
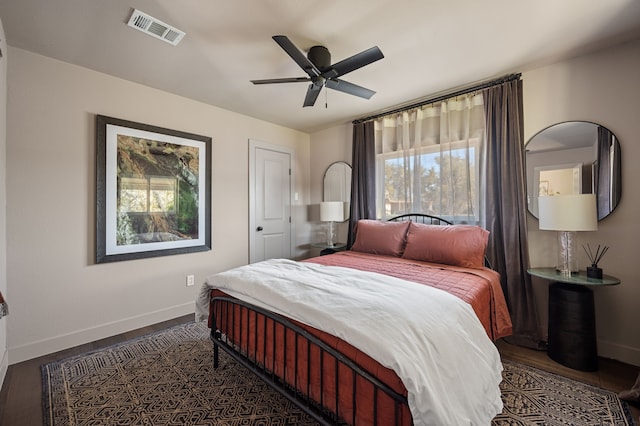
431, 339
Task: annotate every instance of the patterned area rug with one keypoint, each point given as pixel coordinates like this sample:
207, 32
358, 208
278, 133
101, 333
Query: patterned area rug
167, 378
535, 397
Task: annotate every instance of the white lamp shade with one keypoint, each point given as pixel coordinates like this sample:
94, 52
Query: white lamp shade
332, 211
575, 212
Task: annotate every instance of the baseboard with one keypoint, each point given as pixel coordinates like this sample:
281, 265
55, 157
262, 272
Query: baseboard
80, 337
619, 352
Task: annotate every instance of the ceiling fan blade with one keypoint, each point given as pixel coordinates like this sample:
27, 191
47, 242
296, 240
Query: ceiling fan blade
350, 88
296, 55
312, 94
282, 80
354, 62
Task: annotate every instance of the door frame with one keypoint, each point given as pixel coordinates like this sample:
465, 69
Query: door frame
253, 145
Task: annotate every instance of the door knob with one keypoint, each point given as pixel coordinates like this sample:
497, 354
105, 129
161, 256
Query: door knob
259, 228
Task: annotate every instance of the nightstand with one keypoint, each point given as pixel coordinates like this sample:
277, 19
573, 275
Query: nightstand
572, 321
327, 249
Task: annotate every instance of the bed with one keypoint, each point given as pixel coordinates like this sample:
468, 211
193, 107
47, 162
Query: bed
396, 331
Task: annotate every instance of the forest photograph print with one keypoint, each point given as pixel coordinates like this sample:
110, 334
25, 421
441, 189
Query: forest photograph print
152, 191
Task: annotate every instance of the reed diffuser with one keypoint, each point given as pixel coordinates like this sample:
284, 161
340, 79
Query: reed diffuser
593, 271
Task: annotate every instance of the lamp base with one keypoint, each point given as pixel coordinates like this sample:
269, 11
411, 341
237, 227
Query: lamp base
566, 253
330, 234
565, 272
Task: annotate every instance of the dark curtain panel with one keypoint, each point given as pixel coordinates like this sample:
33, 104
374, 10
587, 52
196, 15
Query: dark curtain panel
363, 175
506, 210
607, 186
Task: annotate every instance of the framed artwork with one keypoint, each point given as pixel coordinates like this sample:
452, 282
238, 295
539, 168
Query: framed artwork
153, 191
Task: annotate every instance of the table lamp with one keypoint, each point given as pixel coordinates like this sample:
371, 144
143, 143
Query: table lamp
331, 211
567, 214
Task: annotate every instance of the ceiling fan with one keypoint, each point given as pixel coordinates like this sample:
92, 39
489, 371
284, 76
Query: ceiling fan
317, 64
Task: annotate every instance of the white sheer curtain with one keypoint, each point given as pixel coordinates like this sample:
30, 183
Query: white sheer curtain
429, 160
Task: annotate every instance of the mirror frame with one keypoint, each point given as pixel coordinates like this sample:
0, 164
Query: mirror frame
558, 139
347, 182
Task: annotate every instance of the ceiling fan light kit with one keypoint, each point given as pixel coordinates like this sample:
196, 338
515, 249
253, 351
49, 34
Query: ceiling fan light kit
317, 65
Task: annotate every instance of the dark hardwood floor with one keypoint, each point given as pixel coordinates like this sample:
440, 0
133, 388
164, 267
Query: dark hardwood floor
21, 395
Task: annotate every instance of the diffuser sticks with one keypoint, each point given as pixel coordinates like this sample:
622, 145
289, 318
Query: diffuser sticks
593, 271
595, 259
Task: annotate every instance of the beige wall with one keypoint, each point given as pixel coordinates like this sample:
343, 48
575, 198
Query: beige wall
4, 359
603, 88
59, 298
327, 147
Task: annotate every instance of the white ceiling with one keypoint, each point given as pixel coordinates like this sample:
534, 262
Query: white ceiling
430, 46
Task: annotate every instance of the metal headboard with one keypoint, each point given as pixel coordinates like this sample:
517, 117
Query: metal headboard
420, 218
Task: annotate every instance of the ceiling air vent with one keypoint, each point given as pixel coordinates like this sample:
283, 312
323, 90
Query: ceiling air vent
154, 27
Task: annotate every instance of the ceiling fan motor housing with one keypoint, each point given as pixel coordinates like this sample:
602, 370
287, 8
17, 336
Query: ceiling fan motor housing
320, 57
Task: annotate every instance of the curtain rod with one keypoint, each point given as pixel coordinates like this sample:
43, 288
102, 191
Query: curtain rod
453, 94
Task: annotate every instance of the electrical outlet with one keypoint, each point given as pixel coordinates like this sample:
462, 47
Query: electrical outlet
191, 280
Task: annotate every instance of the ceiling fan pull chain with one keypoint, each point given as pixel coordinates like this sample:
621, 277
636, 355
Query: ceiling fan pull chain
326, 98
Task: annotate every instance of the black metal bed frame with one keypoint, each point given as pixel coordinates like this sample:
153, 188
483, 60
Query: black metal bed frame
231, 342
421, 218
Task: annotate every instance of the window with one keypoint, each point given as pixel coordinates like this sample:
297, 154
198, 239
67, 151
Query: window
148, 195
162, 195
429, 181
428, 160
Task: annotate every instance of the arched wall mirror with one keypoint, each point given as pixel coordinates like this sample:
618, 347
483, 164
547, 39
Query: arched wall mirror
336, 185
574, 157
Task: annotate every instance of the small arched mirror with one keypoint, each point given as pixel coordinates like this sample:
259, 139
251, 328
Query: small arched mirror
575, 157
336, 185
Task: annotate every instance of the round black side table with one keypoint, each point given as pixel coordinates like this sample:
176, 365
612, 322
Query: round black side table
572, 338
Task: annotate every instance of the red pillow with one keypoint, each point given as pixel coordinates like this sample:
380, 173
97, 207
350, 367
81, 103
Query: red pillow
458, 245
386, 238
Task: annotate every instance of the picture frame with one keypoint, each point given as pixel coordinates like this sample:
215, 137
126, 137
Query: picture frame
153, 191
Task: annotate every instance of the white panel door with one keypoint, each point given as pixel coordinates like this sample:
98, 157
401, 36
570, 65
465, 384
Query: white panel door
270, 228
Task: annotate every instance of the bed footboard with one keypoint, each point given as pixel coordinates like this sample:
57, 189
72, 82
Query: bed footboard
315, 376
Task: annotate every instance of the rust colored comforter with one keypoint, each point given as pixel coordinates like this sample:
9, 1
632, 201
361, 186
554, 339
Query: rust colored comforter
478, 287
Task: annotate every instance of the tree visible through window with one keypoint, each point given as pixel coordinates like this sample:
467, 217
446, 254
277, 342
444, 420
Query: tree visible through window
432, 182
428, 161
